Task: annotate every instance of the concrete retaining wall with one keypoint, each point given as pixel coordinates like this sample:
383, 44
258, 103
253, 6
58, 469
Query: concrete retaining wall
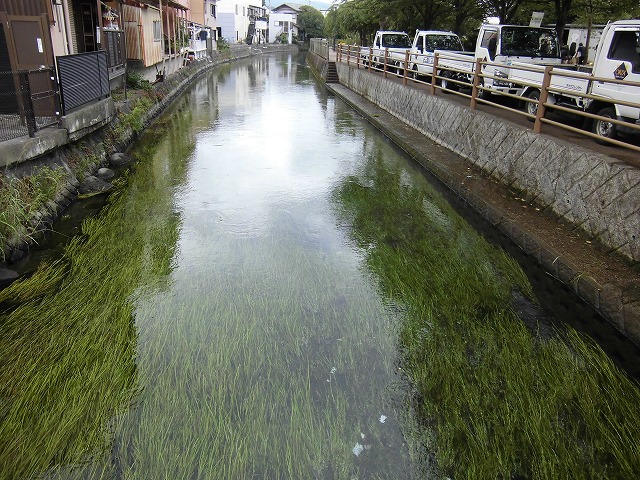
589, 190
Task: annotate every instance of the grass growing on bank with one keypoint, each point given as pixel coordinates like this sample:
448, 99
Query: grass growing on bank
504, 403
21, 198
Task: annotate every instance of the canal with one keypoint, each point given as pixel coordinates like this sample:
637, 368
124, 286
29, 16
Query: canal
275, 291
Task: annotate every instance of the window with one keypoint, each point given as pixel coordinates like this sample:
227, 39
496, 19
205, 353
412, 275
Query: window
529, 42
157, 31
213, 10
625, 46
442, 42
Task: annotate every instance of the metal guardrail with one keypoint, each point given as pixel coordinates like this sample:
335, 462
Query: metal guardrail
440, 79
320, 46
29, 101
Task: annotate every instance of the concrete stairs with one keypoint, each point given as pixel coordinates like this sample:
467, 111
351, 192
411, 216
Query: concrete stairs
332, 73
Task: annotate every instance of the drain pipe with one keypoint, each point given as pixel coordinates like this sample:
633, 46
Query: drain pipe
161, 38
67, 25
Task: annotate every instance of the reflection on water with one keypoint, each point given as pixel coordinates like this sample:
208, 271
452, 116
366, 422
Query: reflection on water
253, 304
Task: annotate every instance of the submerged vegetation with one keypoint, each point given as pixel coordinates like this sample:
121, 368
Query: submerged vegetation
68, 339
503, 402
192, 332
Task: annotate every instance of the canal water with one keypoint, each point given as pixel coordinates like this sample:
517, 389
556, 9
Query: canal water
275, 291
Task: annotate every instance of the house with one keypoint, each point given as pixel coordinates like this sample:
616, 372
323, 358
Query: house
241, 21
283, 22
56, 57
157, 36
206, 14
59, 56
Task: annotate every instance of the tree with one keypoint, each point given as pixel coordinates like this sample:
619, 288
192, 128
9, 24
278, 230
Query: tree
310, 22
362, 17
506, 10
465, 16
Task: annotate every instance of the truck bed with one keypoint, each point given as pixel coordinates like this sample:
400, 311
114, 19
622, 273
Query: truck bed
461, 61
535, 73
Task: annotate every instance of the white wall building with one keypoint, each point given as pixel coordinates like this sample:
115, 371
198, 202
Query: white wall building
283, 20
233, 18
211, 17
279, 24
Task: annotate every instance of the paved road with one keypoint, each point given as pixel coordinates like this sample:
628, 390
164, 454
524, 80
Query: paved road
630, 157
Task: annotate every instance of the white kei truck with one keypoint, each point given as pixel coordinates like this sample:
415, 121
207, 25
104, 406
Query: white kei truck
425, 42
617, 58
393, 44
503, 45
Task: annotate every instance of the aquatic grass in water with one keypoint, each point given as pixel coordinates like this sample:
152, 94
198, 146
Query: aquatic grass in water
193, 331
272, 364
68, 347
504, 402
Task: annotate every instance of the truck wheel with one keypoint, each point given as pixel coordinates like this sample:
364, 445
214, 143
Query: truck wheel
605, 129
530, 107
484, 94
414, 73
446, 83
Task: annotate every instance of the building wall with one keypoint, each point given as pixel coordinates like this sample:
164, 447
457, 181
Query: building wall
138, 25
26, 7
211, 20
227, 22
61, 36
280, 23
233, 17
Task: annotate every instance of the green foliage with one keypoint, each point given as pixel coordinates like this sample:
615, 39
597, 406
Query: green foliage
136, 81
223, 45
134, 120
310, 22
363, 17
602, 11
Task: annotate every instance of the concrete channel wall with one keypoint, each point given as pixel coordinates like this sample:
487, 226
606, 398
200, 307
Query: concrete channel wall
587, 189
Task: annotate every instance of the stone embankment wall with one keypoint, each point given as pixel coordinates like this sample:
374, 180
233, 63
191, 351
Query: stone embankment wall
94, 149
591, 191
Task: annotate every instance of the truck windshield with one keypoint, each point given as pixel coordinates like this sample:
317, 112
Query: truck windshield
442, 42
396, 41
529, 42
